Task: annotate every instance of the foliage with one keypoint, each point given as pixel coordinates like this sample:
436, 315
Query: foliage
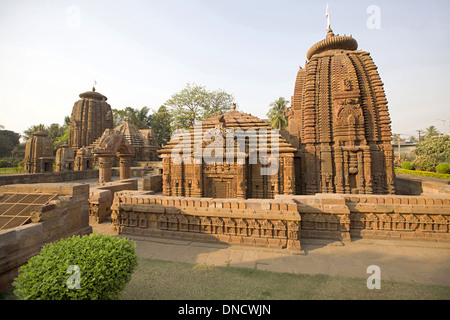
138, 117
424, 173
160, 125
437, 147
431, 132
8, 140
13, 170
59, 134
4, 163
407, 165
195, 103
443, 168
425, 163
398, 162
277, 114
105, 266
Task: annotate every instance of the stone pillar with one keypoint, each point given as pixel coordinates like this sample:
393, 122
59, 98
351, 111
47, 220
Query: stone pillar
167, 190
197, 186
368, 170
104, 165
241, 180
338, 160
288, 173
125, 166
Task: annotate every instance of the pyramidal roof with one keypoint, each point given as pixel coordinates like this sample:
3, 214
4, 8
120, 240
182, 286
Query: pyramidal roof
227, 123
131, 133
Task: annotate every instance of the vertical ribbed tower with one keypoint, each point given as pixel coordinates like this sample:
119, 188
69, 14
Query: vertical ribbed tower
91, 116
38, 153
340, 123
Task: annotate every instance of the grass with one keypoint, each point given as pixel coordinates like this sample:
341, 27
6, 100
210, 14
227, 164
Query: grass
424, 173
11, 170
166, 280
156, 279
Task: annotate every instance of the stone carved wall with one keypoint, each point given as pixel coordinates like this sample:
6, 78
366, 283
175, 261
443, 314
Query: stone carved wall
282, 222
267, 224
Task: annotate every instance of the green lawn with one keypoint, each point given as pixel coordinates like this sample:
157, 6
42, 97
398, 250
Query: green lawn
165, 280
156, 279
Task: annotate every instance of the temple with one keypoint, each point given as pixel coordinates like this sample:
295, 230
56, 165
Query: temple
38, 153
247, 147
91, 116
340, 123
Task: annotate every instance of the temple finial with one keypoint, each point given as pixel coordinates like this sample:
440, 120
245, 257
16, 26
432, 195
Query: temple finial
328, 19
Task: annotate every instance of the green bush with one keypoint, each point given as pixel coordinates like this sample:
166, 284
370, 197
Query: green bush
425, 163
4, 163
407, 166
443, 168
92, 267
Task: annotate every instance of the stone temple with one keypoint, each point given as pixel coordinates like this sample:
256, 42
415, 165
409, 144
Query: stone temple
233, 178
338, 141
340, 123
91, 116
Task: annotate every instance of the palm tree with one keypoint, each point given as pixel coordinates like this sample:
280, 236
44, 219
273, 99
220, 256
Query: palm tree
431, 131
277, 114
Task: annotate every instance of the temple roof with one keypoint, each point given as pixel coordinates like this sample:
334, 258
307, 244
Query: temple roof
332, 42
93, 95
232, 120
131, 133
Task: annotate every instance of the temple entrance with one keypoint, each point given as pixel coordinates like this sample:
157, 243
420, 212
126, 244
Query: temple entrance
109, 147
220, 188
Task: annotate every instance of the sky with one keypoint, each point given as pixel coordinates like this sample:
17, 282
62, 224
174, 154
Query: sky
142, 52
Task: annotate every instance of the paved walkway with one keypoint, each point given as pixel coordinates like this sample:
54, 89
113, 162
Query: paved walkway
422, 262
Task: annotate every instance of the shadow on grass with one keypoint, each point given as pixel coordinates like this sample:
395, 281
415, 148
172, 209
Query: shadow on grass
157, 279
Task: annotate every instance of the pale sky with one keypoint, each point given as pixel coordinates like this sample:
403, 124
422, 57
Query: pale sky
141, 52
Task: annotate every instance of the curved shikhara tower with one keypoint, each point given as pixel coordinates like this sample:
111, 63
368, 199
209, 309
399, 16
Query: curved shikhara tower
340, 123
91, 116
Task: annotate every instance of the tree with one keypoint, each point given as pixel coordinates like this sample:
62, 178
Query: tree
437, 147
195, 103
431, 131
277, 114
139, 117
8, 140
161, 125
27, 133
57, 133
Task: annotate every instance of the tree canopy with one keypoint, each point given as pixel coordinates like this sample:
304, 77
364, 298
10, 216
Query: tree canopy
139, 117
195, 103
8, 140
277, 114
437, 147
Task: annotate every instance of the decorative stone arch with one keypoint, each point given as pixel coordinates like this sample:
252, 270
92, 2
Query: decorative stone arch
110, 146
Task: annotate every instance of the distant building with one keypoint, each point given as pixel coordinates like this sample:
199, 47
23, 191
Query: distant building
38, 153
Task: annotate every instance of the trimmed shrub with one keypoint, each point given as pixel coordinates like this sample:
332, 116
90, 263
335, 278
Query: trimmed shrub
407, 166
443, 168
92, 267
